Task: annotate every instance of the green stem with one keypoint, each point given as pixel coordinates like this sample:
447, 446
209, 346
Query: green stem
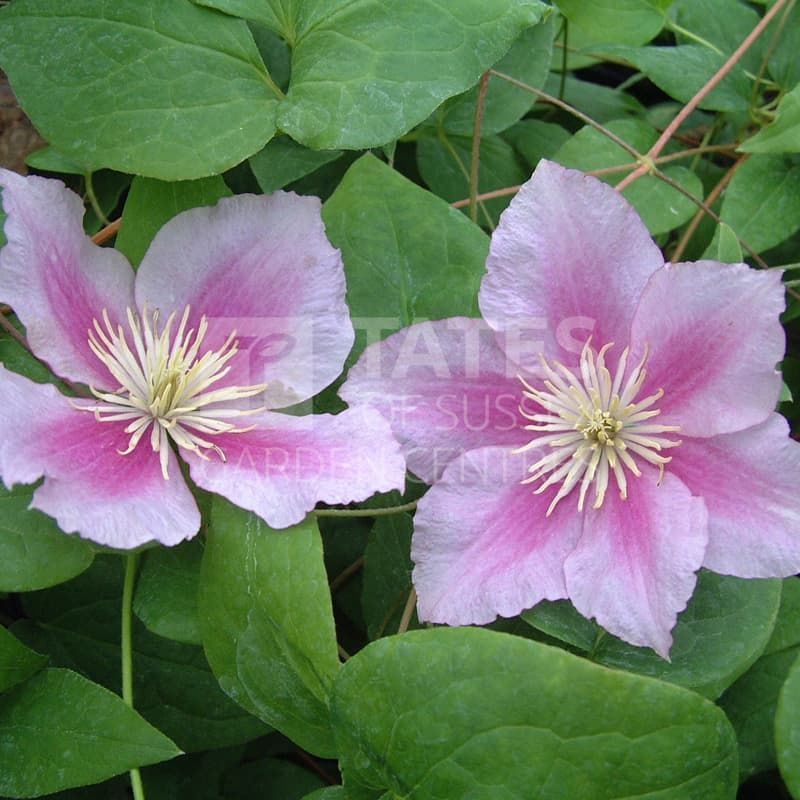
92, 197
365, 512
131, 565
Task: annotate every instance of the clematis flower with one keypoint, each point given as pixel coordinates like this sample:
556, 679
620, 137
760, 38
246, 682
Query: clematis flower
607, 431
234, 310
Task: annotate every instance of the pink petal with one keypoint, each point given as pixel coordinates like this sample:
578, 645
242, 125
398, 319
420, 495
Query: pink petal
749, 482
445, 387
55, 279
715, 338
634, 567
569, 259
89, 488
284, 467
262, 266
482, 544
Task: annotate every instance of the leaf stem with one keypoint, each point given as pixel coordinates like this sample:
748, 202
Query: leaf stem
131, 565
108, 232
475, 159
411, 604
365, 512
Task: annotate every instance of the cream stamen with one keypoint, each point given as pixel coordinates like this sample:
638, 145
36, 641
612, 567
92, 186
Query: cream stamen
164, 386
594, 427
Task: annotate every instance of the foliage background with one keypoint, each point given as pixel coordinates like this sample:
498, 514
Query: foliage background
266, 663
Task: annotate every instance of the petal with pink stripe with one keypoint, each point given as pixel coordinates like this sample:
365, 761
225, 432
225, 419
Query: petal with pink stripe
445, 386
634, 567
56, 280
749, 482
569, 259
483, 546
263, 267
89, 488
286, 465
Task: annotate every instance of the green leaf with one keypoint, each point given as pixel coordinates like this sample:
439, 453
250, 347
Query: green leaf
622, 21
535, 139
167, 90
283, 161
60, 730
365, 71
601, 103
725, 246
267, 623
782, 135
17, 662
408, 256
328, 793
473, 713
166, 592
34, 553
751, 701
784, 66
683, 70
662, 207
48, 159
762, 201
151, 203
387, 573
444, 164
77, 625
787, 730
528, 61
724, 26
724, 629
196, 776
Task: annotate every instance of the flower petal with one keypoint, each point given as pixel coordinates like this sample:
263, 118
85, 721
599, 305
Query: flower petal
715, 338
262, 266
482, 544
54, 277
445, 389
569, 258
89, 488
284, 467
749, 482
634, 567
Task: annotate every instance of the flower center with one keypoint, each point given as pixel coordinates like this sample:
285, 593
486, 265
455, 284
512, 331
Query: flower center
594, 426
165, 384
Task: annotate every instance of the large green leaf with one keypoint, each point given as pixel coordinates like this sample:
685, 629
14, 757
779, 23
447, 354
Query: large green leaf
77, 625
787, 730
528, 61
17, 662
473, 713
623, 21
267, 623
168, 90
408, 256
724, 629
34, 553
762, 201
60, 730
662, 207
366, 71
751, 701
782, 135
151, 203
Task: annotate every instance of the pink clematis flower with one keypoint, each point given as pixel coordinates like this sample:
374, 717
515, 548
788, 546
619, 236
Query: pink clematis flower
609, 431
235, 309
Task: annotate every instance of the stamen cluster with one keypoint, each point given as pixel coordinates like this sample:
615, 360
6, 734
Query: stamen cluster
165, 383
593, 426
